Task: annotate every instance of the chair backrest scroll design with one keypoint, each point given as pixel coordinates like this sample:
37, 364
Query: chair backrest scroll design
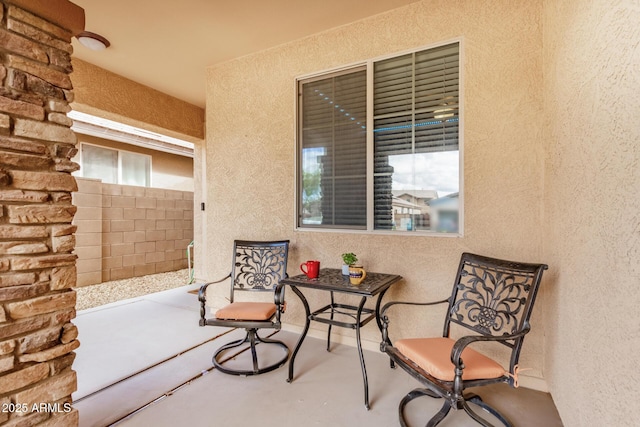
258, 266
494, 297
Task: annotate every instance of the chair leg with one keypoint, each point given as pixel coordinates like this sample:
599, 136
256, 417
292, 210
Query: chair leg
474, 398
227, 346
253, 339
447, 405
419, 392
442, 413
268, 340
252, 344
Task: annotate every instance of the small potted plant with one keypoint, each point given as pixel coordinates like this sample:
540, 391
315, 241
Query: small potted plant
348, 259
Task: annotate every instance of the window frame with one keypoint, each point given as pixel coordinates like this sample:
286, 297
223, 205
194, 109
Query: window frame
119, 171
369, 65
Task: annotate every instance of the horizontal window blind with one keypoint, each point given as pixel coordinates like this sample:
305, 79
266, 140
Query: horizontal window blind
333, 143
416, 110
414, 132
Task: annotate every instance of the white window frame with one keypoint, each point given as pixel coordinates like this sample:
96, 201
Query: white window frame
119, 172
370, 147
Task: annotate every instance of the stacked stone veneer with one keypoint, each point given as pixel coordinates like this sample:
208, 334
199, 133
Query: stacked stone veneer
37, 266
125, 231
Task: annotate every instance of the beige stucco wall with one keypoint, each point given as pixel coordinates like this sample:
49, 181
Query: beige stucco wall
108, 95
250, 154
592, 201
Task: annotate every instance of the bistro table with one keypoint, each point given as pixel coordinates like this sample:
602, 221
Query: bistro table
346, 316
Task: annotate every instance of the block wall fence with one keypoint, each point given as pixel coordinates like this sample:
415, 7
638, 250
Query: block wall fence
126, 231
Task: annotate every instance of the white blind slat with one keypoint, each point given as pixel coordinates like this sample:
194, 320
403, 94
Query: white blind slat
416, 103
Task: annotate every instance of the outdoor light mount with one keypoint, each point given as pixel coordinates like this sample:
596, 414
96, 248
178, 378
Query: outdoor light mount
93, 41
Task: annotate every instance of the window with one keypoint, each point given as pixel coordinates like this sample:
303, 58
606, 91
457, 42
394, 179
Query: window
394, 167
334, 151
115, 166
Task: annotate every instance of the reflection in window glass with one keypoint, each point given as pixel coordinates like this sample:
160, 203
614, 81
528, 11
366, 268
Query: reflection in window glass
115, 166
136, 169
424, 186
100, 163
311, 192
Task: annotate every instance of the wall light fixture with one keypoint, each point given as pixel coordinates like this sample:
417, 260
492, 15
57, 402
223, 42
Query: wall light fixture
93, 41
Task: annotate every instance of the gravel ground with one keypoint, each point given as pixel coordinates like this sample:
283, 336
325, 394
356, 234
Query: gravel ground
107, 292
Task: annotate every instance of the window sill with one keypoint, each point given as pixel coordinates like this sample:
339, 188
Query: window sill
378, 232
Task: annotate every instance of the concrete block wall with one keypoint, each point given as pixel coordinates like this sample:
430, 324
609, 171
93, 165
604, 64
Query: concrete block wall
126, 231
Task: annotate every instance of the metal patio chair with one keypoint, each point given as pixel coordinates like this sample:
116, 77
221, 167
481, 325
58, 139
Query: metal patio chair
491, 301
257, 267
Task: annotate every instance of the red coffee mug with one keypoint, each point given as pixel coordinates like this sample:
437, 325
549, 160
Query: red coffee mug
312, 269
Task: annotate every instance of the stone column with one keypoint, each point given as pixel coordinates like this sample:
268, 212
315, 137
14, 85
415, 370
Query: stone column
37, 266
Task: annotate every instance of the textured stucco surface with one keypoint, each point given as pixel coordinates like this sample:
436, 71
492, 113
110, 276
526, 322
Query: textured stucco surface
592, 134
250, 154
104, 94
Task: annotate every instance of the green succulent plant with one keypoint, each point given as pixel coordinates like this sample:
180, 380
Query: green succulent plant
349, 258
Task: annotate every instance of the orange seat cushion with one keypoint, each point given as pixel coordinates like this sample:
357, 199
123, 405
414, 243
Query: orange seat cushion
247, 311
434, 356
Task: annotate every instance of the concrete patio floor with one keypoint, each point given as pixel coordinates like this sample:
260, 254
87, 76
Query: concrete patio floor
145, 361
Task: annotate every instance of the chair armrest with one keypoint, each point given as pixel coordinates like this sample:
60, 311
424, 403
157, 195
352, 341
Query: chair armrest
202, 293
462, 343
392, 303
202, 297
385, 319
278, 298
278, 294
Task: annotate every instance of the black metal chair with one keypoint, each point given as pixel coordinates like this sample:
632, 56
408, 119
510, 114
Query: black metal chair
257, 267
493, 299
